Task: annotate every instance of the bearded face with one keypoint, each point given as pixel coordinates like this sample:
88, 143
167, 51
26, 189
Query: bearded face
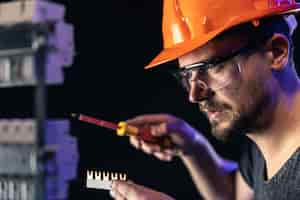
247, 100
245, 105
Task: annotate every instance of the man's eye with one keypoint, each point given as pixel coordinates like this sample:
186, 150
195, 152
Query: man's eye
219, 68
185, 73
201, 72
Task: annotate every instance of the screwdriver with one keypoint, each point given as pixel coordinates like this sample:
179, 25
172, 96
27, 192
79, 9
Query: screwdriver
124, 129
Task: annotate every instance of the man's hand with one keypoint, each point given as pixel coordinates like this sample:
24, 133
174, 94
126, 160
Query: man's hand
128, 190
182, 135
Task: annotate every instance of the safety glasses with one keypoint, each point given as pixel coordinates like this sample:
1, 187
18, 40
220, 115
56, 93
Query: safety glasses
215, 73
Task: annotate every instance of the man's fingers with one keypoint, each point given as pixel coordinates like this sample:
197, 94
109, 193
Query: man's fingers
157, 150
159, 130
116, 195
162, 156
147, 147
131, 191
170, 152
135, 142
125, 189
149, 119
150, 148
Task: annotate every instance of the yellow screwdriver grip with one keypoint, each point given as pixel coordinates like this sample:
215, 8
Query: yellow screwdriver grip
125, 129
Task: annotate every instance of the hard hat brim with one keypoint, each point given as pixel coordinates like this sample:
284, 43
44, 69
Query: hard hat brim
180, 49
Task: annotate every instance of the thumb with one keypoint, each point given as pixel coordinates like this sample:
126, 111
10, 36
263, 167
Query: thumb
159, 129
167, 127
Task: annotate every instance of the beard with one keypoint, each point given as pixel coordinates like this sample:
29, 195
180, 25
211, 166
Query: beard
226, 124
232, 122
226, 127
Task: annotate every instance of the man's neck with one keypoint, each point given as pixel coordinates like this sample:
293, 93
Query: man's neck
282, 137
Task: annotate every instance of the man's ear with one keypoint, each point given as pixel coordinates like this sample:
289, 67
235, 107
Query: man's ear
277, 49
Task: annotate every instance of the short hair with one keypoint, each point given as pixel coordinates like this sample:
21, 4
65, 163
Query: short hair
265, 30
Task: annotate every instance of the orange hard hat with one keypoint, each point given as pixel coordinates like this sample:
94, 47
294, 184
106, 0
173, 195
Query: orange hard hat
188, 24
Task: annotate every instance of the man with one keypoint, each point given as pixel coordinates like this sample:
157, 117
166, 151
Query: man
236, 62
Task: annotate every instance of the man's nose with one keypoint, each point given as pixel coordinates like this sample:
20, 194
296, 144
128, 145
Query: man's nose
199, 91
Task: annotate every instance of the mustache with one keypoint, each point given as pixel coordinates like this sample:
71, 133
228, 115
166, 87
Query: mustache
213, 106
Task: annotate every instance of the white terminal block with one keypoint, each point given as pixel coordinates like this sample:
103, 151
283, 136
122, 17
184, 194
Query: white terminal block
18, 157
18, 131
35, 11
20, 70
102, 180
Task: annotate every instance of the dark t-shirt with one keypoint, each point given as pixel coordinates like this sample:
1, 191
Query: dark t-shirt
284, 185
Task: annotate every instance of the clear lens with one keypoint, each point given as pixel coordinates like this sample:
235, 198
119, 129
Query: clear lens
215, 77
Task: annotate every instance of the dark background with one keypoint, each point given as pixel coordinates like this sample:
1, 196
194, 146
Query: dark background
115, 39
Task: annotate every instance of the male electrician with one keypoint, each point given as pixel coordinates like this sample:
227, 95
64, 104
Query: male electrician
236, 62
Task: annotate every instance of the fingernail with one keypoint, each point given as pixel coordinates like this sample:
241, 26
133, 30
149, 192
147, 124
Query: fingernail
158, 129
169, 158
163, 127
112, 193
153, 130
113, 185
